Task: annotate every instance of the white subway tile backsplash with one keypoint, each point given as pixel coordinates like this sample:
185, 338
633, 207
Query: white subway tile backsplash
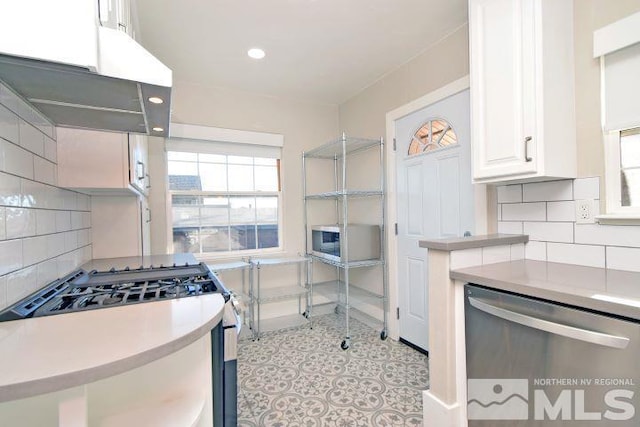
76, 220
31, 139
561, 211
70, 241
3, 291
494, 254
550, 231
55, 244
590, 256
69, 200
8, 98
37, 195
45, 221
517, 252
20, 222
21, 283
510, 227
3, 224
86, 219
623, 258
34, 250
547, 191
47, 271
35, 215
586, 188
9, 125
50, 150
465, 258
84, 237
84, 202
10, 256
10, 190
524, 212
63, 221
44, 171
608, 235
536, 251
510, 194
16, 160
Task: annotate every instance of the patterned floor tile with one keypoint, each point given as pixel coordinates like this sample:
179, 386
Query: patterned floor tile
301, 377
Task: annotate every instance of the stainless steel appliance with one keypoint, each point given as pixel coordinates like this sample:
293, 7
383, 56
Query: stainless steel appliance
82, 290
536, 363
327, 241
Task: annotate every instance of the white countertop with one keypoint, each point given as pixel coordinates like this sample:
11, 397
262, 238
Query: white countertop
51, 353
608, 291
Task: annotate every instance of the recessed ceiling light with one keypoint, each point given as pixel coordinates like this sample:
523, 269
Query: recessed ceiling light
155, 100
256, 53
158, 129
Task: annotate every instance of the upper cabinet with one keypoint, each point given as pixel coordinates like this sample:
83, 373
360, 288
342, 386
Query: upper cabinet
119, 15
522, 90
97, 162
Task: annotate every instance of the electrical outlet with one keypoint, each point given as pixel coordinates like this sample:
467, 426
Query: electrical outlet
585, 211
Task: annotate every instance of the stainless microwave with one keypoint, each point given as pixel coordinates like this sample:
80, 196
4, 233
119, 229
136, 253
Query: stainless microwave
364, 242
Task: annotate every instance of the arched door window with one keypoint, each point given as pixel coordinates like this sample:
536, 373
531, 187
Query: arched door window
433, 135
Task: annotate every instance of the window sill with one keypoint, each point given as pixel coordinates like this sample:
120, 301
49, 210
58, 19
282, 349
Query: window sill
619, 219
234, 256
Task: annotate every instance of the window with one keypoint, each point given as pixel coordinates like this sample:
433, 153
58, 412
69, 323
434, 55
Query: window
619, 51
622, 150
223, 203
433, 135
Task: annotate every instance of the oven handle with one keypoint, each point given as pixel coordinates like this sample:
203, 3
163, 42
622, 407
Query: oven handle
592, 337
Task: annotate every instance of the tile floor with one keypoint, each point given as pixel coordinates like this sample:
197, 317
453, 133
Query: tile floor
301, 377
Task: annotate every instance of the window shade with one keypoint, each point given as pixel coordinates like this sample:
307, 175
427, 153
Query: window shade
621, 91
213, 140
219, 147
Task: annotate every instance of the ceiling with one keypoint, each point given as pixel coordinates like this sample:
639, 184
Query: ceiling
323, 51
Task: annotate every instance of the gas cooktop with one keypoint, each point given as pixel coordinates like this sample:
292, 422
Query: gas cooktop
82, 290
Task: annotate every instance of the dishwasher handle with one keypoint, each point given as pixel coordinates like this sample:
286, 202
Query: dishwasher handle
552, 327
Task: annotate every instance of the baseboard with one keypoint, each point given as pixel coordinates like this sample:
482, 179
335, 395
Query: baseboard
439, 414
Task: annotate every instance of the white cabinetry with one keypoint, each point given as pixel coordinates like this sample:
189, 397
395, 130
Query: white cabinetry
97, 162
113, 167
117, 14
120, 226
522, 89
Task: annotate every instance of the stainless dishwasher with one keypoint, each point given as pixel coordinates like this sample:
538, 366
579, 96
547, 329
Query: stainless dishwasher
532, 362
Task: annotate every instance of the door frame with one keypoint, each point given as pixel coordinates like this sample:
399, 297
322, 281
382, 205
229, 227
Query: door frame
480, 191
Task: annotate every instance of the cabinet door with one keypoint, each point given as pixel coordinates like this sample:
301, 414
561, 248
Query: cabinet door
145, 226
92, 160
138, 159
502, 87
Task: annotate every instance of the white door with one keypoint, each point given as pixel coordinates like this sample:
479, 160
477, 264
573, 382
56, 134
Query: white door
435, 199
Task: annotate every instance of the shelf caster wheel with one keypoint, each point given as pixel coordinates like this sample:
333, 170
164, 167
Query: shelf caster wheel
335, 310
383, 335
305, 315
344, 345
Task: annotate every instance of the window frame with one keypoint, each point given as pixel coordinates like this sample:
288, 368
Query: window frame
204, 139
615, 212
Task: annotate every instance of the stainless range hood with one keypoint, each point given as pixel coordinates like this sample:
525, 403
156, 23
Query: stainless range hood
81, 74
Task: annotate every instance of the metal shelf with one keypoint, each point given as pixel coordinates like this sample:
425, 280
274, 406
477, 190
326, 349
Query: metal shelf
260, 295
228, 266
331, 289
350, 264
265, 262
349, 193
335, 149
281, 293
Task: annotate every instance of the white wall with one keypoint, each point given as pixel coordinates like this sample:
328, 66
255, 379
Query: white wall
45, 231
